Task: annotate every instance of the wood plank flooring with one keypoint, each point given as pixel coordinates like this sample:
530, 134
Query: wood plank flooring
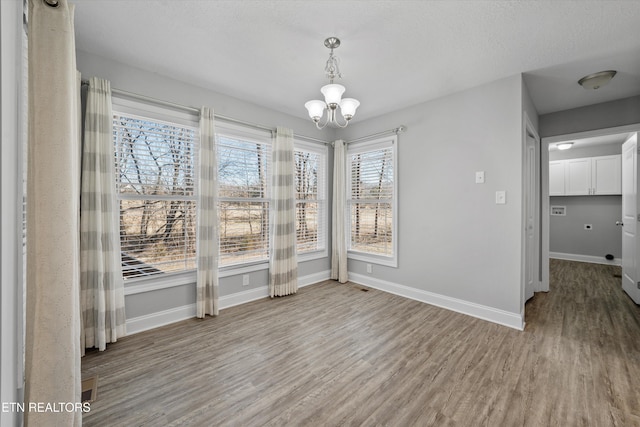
334, 355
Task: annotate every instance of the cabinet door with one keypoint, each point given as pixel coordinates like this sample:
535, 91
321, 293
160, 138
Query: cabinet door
606, 177
577, 177
556, 178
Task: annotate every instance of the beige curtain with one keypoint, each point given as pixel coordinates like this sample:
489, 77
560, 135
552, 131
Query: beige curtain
101, 283
283, 264
338, 215
52, 340
207, 242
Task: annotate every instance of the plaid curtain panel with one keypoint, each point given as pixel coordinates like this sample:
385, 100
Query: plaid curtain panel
338, 233
283, 265
101, 283
207, 241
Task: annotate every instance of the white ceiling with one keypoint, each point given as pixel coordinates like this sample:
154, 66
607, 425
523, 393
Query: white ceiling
393, 54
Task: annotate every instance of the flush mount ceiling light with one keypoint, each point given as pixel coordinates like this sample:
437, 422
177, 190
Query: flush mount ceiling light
596, 80
332, 94
564, 145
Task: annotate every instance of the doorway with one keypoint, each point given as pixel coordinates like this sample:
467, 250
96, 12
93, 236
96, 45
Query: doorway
587, 142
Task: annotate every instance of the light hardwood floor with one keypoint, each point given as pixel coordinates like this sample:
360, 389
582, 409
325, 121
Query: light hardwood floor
336, 355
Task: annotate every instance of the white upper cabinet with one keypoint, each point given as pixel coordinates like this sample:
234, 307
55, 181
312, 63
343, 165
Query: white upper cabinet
556, 178
585, 176
577, 177
606, 176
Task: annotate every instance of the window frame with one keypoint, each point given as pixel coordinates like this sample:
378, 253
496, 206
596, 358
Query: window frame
252, 135
363, 147
323, 209
123, 104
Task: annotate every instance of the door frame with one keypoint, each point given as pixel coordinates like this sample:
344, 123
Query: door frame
544, 174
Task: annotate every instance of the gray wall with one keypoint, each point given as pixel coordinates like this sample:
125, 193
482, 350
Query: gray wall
598, 116
142, 82
527, 105
453, 239
567, 234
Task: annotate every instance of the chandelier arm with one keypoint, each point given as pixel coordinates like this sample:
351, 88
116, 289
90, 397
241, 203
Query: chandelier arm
325, 123
335, 121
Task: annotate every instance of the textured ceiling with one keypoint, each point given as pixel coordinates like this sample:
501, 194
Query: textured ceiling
393, 53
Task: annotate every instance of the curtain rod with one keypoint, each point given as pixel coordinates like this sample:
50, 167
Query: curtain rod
196, 111
397, 130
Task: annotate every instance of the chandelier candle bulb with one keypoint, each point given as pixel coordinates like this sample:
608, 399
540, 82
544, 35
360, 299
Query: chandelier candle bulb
348, 107
332, 94
316, 109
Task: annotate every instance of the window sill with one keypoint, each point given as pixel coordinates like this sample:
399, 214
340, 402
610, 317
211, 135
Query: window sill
157, 282
310, 256
373, 259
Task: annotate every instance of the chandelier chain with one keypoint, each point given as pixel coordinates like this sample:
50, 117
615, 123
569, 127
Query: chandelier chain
332, 67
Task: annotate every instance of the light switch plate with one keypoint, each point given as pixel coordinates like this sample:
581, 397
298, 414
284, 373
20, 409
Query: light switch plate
501, 197
480, 177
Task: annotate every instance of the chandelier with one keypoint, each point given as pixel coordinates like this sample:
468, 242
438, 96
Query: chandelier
332, 94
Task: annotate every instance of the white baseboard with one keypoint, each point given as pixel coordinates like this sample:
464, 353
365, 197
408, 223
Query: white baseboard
311, 279
585, 258
160, 318
512, 320
166, 317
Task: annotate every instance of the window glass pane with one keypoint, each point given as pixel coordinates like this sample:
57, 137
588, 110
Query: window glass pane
157, 236
244, 231
307, 224
372, 228
372, 175
242, 168
154, 158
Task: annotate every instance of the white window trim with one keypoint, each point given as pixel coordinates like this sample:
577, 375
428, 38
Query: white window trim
365, 146
323, 195
126, 105
235, 131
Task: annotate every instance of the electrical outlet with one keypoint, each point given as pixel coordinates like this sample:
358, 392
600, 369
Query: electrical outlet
245, 280
588, 227
369, 268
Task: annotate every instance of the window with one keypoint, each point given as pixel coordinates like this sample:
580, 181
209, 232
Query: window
243, 177
371, 201
156, 189
310, 167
